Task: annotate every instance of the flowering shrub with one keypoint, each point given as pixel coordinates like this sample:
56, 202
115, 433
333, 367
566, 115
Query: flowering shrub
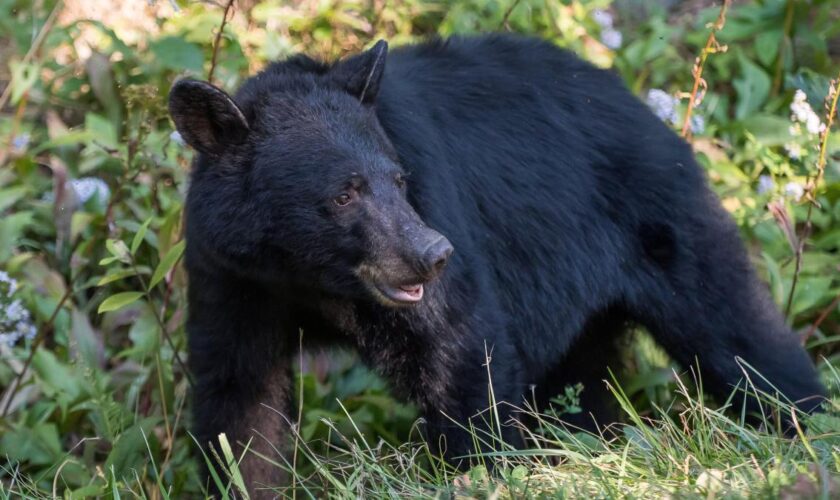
15, 320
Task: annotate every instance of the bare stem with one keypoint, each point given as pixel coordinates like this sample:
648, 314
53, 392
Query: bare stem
710, 48
217, 41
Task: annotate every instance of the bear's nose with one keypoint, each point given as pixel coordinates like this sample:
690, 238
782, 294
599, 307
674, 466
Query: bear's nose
434, 258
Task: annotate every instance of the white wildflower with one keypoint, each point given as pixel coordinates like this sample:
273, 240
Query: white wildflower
15, 319
814, 125
15, 312
663, 104
801, 112
765, 184
8, 283
793, 150
794, 190
604, 18
88, 187
612, 38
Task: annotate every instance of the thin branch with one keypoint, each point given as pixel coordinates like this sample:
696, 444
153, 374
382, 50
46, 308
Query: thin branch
217, 41
823, 315
36, 44
711, 47
811, 187
39, 339
780, 58
508, 12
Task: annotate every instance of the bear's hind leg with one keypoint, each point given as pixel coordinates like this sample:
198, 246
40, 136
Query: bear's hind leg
703, 303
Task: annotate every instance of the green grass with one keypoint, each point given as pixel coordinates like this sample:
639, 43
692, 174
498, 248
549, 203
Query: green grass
690, 450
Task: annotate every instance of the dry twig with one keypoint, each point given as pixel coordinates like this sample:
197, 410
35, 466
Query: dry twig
712, 46
217, 41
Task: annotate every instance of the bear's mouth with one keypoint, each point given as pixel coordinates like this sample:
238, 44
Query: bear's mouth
402, 294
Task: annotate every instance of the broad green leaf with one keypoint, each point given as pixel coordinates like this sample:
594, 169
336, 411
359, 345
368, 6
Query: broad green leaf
175, 53
753, 88
57, 378
144, 335
11, 229
39, 444
167, 263
769, 130
129, 448
118, 301
102, 130
10, 196
767, 46
84, 340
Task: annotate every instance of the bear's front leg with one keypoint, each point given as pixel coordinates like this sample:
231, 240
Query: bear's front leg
466, 380
240, 358
472, 409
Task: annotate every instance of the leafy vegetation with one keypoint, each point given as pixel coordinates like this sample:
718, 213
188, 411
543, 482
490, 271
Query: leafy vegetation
93, 296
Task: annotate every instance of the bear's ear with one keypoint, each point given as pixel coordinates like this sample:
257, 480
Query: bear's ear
206, 117
360, 75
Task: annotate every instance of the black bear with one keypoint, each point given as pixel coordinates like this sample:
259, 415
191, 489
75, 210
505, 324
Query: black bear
447, 201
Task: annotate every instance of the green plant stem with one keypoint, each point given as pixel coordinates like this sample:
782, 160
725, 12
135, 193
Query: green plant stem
161, 324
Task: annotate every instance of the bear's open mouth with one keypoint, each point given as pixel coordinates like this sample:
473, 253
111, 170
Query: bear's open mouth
402, 294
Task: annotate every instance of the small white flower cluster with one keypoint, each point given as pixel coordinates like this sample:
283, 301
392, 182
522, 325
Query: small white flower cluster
15, 321
802, 116
664, 105
610, 36
88, 187
801, 112
792, 190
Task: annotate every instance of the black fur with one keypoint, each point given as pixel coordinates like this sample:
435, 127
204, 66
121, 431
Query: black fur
572, 209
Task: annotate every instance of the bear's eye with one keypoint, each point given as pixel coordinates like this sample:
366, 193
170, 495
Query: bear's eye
343, 199
400, 180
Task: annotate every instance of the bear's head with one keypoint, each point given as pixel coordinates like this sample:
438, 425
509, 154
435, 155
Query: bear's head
296, 182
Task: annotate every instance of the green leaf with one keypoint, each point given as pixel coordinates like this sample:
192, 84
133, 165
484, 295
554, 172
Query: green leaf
144, 335
11, 229
118, 301
118, 249
84, 341
175, 53
102, 130
10, 196
769, 130
753, 88
24, 76
129, 449
115, 276
39, 444
138, 237
767, 46
167, 263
